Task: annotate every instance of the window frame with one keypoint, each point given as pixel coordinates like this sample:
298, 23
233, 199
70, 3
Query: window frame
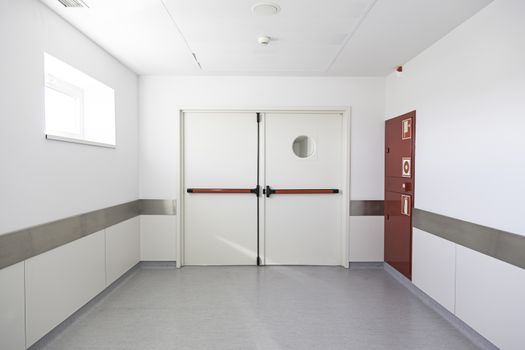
85, 91
76, 93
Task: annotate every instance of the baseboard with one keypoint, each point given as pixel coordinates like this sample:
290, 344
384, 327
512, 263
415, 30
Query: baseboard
356, 265
158, 264
456, 322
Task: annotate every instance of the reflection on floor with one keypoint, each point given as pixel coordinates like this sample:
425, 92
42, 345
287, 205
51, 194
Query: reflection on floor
260, 308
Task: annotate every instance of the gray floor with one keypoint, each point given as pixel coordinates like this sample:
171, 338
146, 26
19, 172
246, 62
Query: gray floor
260, 308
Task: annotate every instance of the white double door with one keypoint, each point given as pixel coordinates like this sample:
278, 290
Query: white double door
296, 162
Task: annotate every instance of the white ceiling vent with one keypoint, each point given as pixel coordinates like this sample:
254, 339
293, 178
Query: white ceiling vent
73, 3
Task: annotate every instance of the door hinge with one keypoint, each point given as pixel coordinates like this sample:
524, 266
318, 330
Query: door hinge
258, 117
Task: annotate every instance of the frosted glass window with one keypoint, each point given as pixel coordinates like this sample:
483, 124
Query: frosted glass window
303, 146
78, 108
63, 108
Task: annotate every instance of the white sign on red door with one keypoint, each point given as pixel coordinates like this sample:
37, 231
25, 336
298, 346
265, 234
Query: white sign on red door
406, 166
406, 132
405, 205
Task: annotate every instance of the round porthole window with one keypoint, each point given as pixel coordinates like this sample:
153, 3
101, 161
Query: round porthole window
303, 146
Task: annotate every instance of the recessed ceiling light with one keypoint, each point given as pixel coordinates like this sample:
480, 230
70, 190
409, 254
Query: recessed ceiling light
266, 9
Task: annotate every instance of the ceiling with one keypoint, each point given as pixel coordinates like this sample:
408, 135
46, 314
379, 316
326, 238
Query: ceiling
309, 37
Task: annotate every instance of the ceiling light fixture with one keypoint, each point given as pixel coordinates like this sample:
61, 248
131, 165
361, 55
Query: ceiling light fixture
266, 9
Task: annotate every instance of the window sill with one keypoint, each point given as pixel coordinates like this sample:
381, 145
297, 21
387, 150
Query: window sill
79, 141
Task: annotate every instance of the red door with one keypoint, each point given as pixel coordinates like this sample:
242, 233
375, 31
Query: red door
399, 191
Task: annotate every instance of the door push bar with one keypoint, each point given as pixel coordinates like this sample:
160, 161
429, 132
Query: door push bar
269, 191
255, 190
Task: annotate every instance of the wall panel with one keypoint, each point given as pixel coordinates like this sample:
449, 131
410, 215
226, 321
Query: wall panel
12, 317
366, 238
434, 267
490, 298
122, 248
157, 237
61, 281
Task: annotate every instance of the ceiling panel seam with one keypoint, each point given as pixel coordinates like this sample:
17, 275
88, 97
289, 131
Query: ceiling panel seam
181, 34
349, 37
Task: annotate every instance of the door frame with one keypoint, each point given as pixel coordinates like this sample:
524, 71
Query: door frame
346, 161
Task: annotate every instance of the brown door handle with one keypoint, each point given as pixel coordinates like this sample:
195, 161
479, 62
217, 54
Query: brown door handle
224, 190
269, 191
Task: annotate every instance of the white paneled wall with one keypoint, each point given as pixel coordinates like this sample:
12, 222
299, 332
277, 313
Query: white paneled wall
12, 335
158, 237
490, 297
467, 90
366, 238
122, 248
62, 280
434, 267
162, 97
485, 293
39, 293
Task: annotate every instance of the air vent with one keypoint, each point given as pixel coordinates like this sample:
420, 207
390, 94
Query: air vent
73, 3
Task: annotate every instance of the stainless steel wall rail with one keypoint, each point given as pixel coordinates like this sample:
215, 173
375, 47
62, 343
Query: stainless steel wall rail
505, 246
23, 244
367, 208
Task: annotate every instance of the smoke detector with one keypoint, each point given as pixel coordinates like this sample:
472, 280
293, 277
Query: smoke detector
264, 40
266, 9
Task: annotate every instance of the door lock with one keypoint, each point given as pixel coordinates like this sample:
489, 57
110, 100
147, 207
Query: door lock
268, 191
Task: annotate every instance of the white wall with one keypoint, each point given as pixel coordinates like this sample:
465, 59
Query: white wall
434, 267
60, 281
484, 292
469, 93
12, 307
41, 292
489, 297
367, 236
161, 98
122, 248
157, 237
44, 180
